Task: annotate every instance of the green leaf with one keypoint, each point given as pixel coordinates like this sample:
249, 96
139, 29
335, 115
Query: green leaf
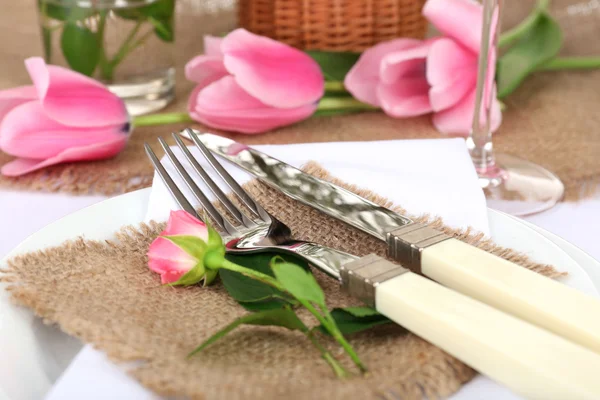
47, 42
298, 281
191, 277
539, 45
81, 48
192, 245
335, 65
67, 11
161, 9
163, 28
245, 290
356, 319
284, 317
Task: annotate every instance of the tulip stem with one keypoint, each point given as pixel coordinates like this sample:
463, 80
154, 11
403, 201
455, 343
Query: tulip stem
343, 103
335, 86
571, 63
161, 119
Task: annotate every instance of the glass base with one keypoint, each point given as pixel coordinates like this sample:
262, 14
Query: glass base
519, 187
148, 93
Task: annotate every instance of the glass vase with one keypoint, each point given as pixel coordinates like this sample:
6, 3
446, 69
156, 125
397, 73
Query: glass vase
126, 44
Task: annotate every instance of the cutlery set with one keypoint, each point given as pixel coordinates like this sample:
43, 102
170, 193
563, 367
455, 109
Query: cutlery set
536, 336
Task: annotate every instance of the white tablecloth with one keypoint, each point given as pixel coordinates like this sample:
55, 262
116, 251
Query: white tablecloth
23, 213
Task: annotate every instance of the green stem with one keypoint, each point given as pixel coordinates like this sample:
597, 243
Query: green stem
335, 86
337, 103
250, 273
161, 119
141, 40
520, 30
331, 327
571, 63
339, 369
105, 71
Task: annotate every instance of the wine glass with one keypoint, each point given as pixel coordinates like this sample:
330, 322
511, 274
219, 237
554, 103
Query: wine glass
511, 184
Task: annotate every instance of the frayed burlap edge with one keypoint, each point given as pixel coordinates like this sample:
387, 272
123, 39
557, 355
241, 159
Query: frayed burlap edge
49, 282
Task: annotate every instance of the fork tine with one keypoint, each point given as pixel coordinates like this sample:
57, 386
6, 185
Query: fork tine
223, 223
233, 185
236, 213
171, 186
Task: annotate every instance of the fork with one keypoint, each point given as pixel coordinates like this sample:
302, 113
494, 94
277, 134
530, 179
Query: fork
529, 360
258, 232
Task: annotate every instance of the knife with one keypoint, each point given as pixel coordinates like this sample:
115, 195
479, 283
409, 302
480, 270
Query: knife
455, 264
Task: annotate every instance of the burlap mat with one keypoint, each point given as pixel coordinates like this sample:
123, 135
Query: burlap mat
103, 293
552, 119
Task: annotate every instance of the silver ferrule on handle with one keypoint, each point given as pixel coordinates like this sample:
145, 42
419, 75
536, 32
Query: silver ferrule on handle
361, 277
406, 243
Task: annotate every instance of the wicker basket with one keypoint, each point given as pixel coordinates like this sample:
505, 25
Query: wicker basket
333, 25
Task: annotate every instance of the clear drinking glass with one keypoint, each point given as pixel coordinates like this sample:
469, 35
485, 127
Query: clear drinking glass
511, 184
126, 44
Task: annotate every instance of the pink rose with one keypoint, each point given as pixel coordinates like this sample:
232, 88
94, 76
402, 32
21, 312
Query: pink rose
251, 84
64, 116
408, 77
183, 247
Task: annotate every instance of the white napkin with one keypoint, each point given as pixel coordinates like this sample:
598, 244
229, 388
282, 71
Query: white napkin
424, 176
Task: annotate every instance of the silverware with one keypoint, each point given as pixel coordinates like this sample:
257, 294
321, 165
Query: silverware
455, 264
527, 359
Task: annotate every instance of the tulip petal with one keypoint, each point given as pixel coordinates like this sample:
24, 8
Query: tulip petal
28, 132
205, 69
274, 73
459, 19
405, 98
362, 79
167, 259
96, 151
183, 223
225, 105
73, 99
451, 72
458, 120
10, 98
408, 63
212, 46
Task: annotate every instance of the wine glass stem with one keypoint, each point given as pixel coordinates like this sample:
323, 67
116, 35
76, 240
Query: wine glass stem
479, 141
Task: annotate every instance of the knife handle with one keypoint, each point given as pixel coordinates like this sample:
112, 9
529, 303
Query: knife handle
530, 361
515, 290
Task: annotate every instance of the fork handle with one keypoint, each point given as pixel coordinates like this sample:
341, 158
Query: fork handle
529, 360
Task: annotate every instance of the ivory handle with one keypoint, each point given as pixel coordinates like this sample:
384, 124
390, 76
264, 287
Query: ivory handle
515, 290
531, 361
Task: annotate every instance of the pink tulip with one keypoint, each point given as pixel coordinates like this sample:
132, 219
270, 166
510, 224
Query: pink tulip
408, 77
64, 116
251, 84
182, 246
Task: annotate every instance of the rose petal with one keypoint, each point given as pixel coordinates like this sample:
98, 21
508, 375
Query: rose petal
212, 46
74, 99
205, 69
272, 72
362, 79
458, 120
167, 259
408, 63
451, 72
28, 132
225, 105
10, 98
405, 98
459, 19
183, 223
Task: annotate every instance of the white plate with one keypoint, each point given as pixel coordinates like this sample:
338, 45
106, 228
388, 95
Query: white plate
44, 352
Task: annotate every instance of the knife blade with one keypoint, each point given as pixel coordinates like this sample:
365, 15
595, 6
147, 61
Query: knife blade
455, 264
